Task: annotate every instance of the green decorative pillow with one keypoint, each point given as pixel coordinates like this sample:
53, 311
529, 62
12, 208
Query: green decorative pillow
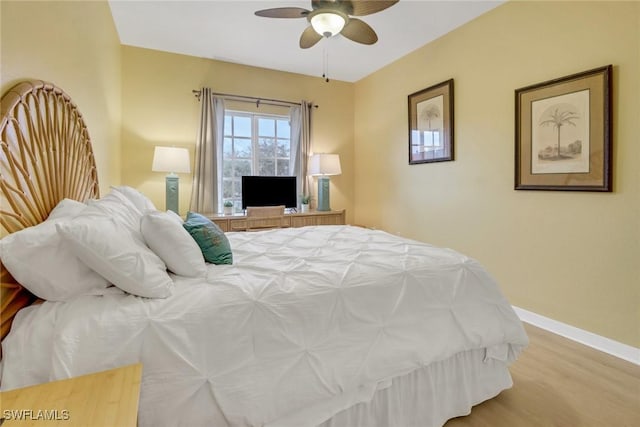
213, 243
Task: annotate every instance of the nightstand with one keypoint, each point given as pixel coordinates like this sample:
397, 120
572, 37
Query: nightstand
107, 398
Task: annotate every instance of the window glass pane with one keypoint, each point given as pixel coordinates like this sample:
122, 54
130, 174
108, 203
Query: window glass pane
227, 125
242, 167
242, 126
267, 167
266, 127
242, 147
227, 169
227, 148
284, 148
267, 148
283, 167
284, 130
227, 189
237, 187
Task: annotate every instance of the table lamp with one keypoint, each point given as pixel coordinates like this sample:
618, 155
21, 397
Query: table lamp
323, 165
173, 160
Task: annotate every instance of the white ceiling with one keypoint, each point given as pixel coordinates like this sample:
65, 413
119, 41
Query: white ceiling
228, 30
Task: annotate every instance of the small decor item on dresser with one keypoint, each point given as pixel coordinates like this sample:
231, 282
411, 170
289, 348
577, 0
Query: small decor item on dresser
305, 201
228, 207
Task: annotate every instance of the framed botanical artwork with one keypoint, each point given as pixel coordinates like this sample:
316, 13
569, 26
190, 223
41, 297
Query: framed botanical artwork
431, 124
563, 133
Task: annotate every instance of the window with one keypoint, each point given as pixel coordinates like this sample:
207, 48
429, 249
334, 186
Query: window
254, 144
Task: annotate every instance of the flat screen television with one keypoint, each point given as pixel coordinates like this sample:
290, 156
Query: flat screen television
269, 191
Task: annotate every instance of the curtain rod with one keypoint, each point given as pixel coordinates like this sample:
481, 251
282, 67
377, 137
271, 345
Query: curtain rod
252, 99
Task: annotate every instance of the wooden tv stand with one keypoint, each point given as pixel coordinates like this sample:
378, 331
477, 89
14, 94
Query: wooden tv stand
238, 222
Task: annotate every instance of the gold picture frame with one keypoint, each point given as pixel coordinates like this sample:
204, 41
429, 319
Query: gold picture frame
431, 124
563, 133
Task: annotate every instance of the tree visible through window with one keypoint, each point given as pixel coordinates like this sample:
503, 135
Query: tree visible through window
253, 145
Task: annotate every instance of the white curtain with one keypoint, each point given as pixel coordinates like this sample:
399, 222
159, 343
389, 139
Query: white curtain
300, 117
206, 193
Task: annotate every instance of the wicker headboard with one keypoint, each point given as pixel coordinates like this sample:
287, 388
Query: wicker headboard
45, 156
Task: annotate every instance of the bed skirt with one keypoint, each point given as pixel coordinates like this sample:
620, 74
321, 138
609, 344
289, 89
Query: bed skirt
430, 396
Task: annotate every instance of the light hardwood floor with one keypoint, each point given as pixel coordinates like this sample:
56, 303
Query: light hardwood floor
558, 382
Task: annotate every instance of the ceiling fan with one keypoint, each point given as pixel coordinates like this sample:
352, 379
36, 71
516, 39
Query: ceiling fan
331, 17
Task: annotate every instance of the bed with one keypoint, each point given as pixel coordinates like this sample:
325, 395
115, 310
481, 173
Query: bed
329, 325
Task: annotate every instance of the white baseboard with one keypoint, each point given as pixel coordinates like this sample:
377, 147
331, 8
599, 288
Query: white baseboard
614, 348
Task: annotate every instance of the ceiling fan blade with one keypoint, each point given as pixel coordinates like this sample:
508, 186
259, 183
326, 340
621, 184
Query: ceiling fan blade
367, 7
359, 31
309, 38
283, 12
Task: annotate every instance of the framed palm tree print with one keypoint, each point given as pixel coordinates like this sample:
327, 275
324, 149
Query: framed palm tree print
563, 133
431, 124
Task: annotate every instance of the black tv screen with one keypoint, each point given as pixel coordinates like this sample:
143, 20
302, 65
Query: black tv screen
269, 191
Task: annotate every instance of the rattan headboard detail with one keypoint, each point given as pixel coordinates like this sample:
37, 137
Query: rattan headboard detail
45, 156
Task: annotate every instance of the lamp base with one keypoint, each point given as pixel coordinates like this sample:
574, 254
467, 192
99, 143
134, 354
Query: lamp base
172, 192
323, 194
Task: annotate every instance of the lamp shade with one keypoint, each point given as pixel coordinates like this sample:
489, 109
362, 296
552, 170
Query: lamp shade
171, 159
324, 164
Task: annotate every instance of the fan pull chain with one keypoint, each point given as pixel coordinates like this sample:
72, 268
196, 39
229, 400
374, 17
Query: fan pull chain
325, 64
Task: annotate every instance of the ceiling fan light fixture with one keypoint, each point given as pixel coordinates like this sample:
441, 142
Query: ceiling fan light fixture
328, 24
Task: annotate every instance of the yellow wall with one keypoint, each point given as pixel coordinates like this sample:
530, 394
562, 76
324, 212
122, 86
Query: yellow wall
75, 46
158, 108
571, 256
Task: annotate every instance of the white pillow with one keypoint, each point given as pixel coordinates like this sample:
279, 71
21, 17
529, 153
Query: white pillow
173, 244
174, 216
116, 206
138, 199
40, 261
67, 208
118, 254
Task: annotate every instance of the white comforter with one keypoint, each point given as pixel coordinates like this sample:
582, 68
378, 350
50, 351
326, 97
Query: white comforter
306, 322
